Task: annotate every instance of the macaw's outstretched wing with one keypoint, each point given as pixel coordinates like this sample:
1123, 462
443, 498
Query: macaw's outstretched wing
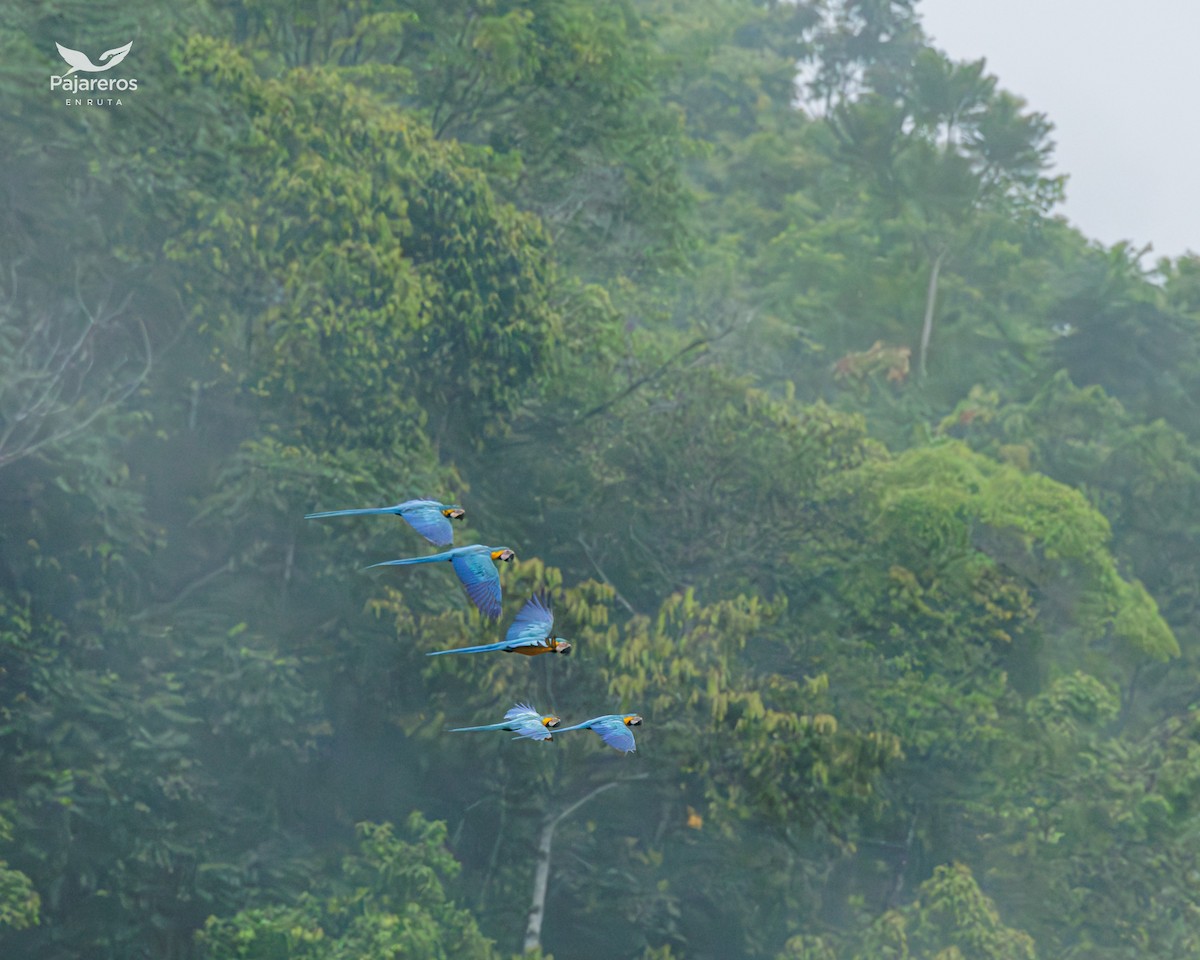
533, 624
523, 711
533, 731
612, 730
482, 648
481, 578
616, 734
428, 520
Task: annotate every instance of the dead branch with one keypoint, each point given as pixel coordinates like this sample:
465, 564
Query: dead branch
51, 389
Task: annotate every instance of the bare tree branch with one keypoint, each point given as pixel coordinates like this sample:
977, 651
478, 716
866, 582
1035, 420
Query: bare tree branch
54, 384
595, 566
229, 566
704, 341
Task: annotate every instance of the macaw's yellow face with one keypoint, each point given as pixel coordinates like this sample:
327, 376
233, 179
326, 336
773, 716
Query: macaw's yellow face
633, 720
562, 646
550, 722
506, 555
454, 513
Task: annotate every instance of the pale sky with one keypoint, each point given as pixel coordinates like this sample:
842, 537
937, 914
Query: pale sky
1120, 81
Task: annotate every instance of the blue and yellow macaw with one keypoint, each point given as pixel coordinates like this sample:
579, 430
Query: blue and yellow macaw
613, 729
524, 721
428, 517
531, 633
476, 568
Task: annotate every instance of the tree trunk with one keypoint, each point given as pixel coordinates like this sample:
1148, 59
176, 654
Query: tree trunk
930, 303
541, 881
541, 874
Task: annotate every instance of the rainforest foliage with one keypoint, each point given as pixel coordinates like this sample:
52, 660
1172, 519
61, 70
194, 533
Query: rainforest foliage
868, 481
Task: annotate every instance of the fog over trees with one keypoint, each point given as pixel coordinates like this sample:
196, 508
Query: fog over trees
864, 479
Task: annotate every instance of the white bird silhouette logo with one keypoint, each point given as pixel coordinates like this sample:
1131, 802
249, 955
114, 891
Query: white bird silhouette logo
80, 61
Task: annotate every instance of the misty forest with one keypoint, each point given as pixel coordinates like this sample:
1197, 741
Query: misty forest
751, 327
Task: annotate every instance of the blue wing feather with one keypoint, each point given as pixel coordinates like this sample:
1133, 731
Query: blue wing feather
534, 730
533, 623
425, 516
616, 734
481, 578
527, 722
612, 730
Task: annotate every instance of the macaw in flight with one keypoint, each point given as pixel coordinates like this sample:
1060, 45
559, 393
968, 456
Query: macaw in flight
531, 633
476, 568
524, 721
614, 730
428, 517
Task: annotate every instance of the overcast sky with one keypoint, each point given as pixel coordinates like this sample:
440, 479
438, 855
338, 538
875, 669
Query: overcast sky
1120, 81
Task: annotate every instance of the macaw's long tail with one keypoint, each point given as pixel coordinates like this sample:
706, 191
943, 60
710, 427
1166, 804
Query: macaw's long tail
490, 726
349, 513
482, 648
586, 725
409, 560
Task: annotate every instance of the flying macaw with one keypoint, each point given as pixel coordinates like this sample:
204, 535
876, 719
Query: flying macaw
476, 569
524, 721
613, 729
531, 633
428, 517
